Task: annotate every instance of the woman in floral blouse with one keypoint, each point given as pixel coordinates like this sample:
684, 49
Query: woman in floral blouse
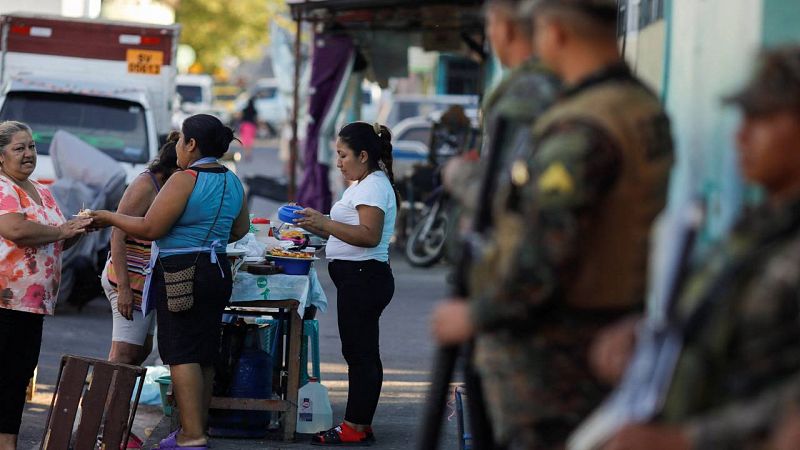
33, 233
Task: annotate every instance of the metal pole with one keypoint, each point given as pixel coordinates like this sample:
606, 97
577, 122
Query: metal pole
293, 150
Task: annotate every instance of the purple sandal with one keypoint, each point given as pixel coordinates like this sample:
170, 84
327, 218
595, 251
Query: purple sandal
171, 442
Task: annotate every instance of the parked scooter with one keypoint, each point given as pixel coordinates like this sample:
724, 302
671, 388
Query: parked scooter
450, 137
86, 178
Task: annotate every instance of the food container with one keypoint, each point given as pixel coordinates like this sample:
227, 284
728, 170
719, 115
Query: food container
287, 213
293, 266
261, 227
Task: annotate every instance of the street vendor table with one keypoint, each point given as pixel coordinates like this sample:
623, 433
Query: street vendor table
284, 297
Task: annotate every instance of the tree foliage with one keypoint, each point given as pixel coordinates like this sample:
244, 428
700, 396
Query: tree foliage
220, 28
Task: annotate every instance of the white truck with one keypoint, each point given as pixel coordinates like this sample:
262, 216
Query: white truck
110, 83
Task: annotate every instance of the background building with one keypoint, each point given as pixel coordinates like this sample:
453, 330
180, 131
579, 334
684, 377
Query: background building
694, 53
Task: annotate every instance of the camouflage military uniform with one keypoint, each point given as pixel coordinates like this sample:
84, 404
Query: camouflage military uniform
583, 196
509, 110
740, 313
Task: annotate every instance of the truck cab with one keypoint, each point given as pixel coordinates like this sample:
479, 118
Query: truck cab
119, 124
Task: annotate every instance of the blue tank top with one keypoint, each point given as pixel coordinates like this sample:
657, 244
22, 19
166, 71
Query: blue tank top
192, 227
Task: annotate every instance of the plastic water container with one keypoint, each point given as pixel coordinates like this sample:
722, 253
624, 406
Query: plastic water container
251, 379
313, 408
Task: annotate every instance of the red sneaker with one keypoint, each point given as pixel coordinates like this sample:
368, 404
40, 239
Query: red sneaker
342, 435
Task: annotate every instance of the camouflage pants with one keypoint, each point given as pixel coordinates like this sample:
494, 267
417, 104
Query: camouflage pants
536, 391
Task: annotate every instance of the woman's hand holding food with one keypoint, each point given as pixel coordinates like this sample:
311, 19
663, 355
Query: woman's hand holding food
100, 218
74, 227
313, 220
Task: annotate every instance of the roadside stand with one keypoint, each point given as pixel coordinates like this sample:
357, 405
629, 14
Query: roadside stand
262, 370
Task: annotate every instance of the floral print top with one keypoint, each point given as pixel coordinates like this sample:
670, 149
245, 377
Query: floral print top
29, 276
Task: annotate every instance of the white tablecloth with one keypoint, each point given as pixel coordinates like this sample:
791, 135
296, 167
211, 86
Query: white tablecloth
304, 288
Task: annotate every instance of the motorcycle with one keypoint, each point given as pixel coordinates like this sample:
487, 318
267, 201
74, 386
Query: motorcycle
426, 244
451, 136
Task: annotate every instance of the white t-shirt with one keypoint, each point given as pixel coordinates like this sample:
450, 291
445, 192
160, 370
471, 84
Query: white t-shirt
374, 190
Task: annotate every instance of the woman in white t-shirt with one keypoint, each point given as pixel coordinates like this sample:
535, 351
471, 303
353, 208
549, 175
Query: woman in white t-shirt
359, 230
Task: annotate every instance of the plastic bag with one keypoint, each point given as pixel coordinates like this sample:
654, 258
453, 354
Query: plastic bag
151, 392
251, 245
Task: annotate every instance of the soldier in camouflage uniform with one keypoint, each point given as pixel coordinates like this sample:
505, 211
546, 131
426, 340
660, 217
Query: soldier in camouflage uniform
567, 253
513, 105
738, 313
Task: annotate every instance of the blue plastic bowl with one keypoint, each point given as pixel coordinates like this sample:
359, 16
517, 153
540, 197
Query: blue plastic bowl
293, 266
287, 213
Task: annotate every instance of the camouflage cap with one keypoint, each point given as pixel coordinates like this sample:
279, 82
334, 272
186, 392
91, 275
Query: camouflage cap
604, 10
775, 85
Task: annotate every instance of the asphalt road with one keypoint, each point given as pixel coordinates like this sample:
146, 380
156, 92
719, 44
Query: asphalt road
406, 348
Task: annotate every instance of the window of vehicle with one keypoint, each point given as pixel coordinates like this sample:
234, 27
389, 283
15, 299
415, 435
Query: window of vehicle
266, 92
116, 127
419, 134
190, 94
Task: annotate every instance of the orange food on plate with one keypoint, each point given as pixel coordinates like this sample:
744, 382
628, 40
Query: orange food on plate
292, 234
290, 254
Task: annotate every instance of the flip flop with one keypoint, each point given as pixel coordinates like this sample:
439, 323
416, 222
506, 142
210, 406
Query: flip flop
171, 442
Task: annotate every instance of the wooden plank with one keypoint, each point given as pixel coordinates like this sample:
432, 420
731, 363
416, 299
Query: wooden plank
68, 394
293, 383
249, 404
119, 406
93, 406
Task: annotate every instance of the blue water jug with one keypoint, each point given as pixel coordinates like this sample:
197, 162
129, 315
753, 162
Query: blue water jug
252, 378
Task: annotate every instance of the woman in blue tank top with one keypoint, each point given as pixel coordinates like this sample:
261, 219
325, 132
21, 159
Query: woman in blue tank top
194, 216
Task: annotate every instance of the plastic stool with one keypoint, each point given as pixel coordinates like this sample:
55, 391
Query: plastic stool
310, 332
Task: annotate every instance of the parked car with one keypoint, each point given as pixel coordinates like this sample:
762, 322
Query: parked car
396, 108
225, 96
270, 107
195, 92
411, 138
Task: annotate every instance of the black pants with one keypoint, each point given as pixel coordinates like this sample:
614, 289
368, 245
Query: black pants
20, 340
364, 288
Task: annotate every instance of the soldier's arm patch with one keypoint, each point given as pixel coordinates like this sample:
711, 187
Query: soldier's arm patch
573, 164
556, 179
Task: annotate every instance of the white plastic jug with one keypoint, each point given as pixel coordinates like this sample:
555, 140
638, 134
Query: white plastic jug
313, 408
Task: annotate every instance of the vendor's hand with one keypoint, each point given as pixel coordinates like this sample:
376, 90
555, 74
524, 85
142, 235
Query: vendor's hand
100, 219
74, 227
651, 437
451, 323
125, 302
312, 220
612, 350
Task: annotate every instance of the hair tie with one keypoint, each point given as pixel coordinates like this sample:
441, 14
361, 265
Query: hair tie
377, 128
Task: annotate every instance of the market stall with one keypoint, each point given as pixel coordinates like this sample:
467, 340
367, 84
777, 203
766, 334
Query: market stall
262, 289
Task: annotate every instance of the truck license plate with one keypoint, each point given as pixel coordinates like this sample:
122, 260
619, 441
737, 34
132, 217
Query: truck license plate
145, 61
